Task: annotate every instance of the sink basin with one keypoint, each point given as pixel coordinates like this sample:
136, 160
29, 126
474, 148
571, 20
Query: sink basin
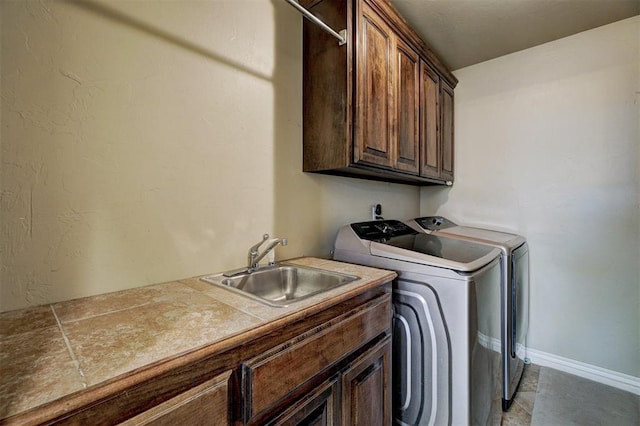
280, 285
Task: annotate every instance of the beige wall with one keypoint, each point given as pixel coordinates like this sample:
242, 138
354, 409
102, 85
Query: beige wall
547, 145
148, 141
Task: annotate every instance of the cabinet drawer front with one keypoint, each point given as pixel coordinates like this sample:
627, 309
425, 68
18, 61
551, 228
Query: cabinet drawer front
206, 404
273, 375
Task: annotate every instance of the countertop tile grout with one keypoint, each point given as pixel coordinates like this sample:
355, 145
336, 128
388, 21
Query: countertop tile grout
231, 305
74, 320
69, 348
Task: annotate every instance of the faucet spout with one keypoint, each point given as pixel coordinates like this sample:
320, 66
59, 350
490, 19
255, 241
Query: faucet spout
253, 252
255, 256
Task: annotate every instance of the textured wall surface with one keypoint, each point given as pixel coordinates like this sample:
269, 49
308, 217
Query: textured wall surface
148, 141
547, 146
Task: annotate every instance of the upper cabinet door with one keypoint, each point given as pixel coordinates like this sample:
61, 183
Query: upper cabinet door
429, 122
374, 90
408, 104
446, 98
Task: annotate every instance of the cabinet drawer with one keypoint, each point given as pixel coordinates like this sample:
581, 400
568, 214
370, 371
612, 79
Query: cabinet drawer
274, 374
205, 404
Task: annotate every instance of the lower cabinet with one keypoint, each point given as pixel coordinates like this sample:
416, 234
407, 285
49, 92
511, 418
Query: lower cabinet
353, 350
358, 395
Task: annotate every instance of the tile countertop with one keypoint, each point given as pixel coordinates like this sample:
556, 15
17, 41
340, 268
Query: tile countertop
52, 351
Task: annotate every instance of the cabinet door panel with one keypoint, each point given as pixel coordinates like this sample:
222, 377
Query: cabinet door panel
366, 400
447, 132
374, 91
318, 409
429, 122
408, 95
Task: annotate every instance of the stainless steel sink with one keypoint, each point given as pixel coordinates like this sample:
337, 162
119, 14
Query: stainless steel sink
280, 285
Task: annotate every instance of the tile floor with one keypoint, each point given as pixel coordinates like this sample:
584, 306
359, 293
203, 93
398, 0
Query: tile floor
550, 397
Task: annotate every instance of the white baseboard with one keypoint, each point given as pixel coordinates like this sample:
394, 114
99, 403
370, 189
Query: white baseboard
622, 381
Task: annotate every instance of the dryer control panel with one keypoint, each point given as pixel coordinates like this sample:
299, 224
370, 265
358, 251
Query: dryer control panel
380, 230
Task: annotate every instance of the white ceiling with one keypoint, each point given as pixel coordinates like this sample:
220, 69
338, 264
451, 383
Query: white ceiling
466, 32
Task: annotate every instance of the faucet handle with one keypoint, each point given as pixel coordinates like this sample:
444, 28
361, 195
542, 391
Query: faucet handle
254, 248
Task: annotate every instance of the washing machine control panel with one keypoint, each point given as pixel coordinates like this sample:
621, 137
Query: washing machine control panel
380, 230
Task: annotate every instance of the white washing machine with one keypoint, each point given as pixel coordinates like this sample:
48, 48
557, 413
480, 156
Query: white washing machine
514, 292
446, 313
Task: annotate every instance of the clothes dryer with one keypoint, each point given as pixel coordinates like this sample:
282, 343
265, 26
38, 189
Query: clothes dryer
446, 313
514, 292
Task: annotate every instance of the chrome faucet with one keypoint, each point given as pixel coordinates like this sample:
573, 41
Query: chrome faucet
253, 257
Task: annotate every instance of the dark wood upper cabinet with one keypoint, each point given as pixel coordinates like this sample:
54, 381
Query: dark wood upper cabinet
377, 106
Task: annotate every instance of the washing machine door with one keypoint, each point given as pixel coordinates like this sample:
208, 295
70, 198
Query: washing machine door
421, 360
